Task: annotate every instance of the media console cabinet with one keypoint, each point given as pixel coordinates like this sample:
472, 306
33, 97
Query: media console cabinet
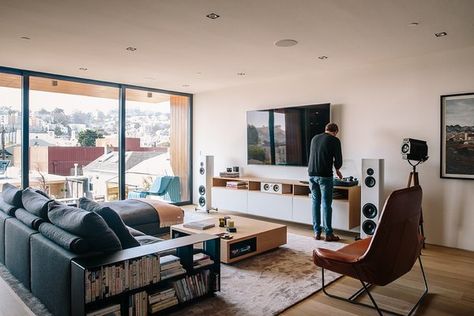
293, 205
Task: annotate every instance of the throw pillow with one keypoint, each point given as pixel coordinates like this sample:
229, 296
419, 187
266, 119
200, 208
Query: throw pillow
7, 208
112, 219
87, 225
35, 203
11, 194
63, 238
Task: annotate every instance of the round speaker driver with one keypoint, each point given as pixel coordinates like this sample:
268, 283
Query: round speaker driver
368, 227
201, 170
202, 190
202, 201
370, 171
370, 182
369, 210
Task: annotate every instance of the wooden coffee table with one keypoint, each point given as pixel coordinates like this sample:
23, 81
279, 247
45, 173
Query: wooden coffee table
252, 237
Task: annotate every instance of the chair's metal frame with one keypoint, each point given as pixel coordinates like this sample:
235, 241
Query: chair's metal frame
365, 289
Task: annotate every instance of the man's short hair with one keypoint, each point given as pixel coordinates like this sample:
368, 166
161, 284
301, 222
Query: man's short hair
332, 127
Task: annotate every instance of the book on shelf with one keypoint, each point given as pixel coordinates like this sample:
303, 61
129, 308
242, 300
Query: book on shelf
192, 286
113, 310
204, 224
161, 300
201, 259
114, 279
138, 304
170, 266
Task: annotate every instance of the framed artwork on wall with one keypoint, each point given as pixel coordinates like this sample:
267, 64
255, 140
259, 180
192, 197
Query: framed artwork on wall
457, 136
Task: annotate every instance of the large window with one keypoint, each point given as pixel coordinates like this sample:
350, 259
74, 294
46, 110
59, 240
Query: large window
157, 135
73, 139
10, 129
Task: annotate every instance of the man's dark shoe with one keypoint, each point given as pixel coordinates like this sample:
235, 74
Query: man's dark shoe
332, 237
317, 236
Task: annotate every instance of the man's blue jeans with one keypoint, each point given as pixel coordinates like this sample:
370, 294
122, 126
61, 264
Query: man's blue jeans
321, 196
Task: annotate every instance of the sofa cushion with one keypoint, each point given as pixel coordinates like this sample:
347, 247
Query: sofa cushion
87, 225
113, 220
28, 219
134, 232
64, 239
35, 203
11, 194
7, 208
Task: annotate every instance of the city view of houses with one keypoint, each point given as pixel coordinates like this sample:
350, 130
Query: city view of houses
75, 154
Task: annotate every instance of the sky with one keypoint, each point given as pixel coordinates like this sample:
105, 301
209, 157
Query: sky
460, 111
71, 103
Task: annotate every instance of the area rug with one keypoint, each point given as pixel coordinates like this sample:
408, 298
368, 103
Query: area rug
266, 284
269, 283
24, 294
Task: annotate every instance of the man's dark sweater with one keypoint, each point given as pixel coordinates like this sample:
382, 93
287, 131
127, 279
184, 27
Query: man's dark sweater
324, 151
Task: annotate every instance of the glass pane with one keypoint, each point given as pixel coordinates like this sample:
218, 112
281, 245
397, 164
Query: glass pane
10, 129
73, 139
157, 146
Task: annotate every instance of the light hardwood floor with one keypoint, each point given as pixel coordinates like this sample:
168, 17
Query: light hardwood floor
450, 274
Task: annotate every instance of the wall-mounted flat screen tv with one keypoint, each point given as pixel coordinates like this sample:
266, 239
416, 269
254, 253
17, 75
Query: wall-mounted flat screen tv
283, 136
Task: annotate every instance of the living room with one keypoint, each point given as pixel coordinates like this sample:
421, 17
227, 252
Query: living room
382, 65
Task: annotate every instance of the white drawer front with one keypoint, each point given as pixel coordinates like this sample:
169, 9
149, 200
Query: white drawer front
270, 205
229, 199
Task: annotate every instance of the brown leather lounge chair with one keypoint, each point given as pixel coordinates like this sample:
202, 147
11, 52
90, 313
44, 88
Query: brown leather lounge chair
383, 258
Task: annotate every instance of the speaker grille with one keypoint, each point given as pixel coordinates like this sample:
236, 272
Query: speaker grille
369, 210
370, 182
202, 201
369, 227
202, 190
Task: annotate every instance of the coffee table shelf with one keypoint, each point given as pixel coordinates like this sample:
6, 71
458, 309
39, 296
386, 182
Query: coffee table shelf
252, 237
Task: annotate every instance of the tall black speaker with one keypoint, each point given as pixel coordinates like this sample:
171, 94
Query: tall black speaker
371, 195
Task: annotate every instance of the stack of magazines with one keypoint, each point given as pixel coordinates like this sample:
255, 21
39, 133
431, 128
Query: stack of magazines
170, 267
162, 300
236, 184
201, 260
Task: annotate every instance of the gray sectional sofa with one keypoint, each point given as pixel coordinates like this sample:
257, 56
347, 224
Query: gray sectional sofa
39, 237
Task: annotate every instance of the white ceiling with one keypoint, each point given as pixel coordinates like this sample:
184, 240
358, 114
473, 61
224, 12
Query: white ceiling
177, 45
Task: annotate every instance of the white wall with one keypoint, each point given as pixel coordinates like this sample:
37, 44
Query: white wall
376, 107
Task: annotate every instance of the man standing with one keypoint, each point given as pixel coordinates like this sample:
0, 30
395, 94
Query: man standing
325, 151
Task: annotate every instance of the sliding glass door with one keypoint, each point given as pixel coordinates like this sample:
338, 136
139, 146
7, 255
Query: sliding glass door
157, 145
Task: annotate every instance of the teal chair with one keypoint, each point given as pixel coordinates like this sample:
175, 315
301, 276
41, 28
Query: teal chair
168, 187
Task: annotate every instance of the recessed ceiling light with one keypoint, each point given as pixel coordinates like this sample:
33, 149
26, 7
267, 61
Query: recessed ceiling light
213, 16
185, 85
25, 37
54, 83
323, 57
241, 74
149, 94
441, 34
286, 43
414, 24
199, 73
131, 49
83, 69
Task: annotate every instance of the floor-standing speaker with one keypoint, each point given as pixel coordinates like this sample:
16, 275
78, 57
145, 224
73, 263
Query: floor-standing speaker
206, 172
371, 195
